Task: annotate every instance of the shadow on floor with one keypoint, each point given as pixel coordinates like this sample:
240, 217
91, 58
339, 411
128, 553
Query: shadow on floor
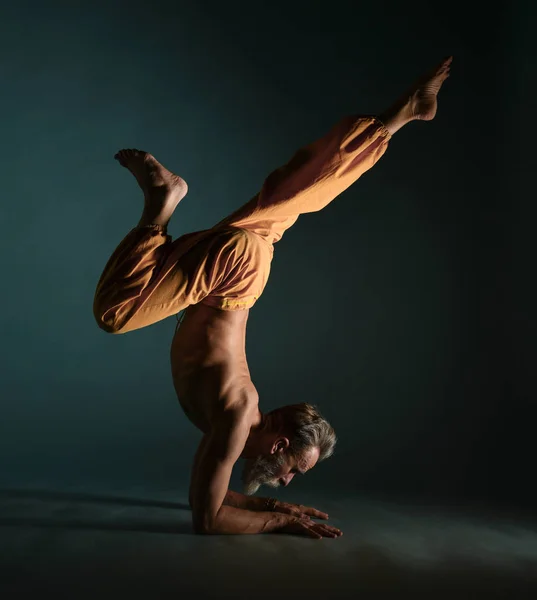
88, 498
74, 501
133, 526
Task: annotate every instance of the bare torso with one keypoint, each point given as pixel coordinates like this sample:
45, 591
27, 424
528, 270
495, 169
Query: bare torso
209, 367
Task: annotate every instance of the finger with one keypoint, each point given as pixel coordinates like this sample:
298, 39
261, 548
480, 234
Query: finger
324, 531
286, 510
332, 531
296, 512
290, 510
315, 513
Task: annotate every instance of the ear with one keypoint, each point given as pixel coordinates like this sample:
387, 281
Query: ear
280, 445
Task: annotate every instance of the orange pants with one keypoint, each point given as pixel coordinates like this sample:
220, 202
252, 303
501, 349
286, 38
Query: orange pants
150, 277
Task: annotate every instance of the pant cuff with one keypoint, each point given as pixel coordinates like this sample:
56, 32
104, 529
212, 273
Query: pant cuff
382, 127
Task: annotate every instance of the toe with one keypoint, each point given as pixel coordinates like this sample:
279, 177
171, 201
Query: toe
122, 156
445, 64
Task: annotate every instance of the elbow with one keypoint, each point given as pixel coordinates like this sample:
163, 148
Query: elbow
202, 530
204, 525
205, 530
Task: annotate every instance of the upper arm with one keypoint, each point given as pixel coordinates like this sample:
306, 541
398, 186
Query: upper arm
219, 450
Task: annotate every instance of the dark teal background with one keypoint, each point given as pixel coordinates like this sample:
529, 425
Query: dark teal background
405, 310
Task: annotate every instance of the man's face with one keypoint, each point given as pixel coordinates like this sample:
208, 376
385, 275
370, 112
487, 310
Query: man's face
276, 469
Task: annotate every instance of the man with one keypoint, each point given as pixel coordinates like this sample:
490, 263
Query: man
217, 275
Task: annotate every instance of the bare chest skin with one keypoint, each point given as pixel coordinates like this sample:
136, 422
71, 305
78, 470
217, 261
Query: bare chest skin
208, 360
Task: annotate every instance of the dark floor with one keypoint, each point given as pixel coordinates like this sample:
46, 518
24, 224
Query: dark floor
127, 544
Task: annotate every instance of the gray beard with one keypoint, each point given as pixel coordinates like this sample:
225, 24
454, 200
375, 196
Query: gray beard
261, 471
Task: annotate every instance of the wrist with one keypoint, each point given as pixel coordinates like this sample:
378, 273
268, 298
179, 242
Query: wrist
276, 522
270, 504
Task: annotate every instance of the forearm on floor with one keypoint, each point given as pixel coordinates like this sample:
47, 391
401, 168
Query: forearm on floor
231, 520
238, 500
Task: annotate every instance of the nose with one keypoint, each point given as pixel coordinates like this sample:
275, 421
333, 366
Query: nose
287, 479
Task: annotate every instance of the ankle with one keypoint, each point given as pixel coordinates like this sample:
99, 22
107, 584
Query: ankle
398, 115
148, 220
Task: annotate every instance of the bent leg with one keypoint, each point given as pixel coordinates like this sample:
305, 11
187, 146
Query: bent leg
138, 286
127, 276
149, 278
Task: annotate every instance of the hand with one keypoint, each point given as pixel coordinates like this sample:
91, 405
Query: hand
306, 527
298, 510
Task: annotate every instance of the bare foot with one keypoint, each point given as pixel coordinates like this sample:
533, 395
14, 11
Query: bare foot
423, 95
163, 190
419, 102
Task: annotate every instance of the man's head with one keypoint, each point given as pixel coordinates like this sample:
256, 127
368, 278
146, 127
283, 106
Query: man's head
296, 438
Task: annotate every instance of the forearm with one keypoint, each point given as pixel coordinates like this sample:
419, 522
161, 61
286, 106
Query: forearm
231, 520
238, 500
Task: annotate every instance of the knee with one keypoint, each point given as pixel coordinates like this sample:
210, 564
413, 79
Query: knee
107, 326
106, 320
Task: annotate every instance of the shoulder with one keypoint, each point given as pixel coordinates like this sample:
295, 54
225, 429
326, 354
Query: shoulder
236, 413
228, 433
239, 397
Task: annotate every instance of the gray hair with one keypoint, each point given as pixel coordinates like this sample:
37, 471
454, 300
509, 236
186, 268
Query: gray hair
307, 429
